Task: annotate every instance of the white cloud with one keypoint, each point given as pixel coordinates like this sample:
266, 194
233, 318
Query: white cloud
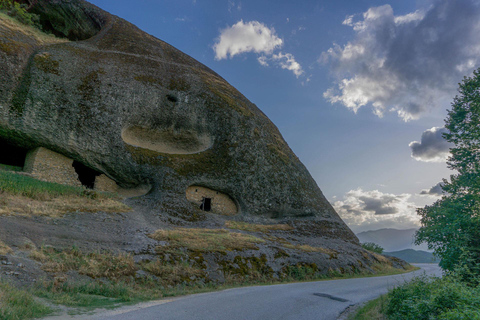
406, 64
255, 37
287, 61
263, 60
363, 210
432, 147
243, 37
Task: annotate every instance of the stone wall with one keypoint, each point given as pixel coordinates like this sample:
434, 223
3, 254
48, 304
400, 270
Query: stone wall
50, 166
221, 203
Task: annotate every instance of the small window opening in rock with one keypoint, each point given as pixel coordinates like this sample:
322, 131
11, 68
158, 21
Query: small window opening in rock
206, 204
172, 98
12, 155
85, 174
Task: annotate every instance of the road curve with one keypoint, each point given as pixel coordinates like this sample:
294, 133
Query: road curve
308, 300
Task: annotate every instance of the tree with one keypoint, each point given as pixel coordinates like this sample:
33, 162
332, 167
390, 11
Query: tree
451, 226
371, 246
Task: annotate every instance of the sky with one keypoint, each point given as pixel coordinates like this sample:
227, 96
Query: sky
359, 89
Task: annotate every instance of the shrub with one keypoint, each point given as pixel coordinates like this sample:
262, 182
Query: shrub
433, 298
19, 12
370, 246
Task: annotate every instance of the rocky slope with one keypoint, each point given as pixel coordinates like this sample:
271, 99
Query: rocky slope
141, 112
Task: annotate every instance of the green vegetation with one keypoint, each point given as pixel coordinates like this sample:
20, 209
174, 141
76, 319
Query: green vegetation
370, 246
434, 298
29, 187
372, 310
451, 226
23, 195
19, 304
20, 13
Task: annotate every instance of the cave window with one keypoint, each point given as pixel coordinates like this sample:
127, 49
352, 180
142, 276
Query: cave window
206, 204
85, 174
12, 155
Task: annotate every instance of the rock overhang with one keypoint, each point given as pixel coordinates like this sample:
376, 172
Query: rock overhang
100, 99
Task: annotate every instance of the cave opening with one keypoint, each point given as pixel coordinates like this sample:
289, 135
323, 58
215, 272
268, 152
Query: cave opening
206, 204
85, 174
12, 155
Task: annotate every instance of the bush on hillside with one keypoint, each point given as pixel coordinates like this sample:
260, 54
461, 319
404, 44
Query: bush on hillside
19, 11
370, 246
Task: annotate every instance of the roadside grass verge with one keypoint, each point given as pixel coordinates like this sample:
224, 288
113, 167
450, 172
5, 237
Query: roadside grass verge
372, 310
94, 264
84, 281
19, 304
23, 195
205, 240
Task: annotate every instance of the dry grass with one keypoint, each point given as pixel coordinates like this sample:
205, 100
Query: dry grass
94, 264
29, 31
173, 274
308, 248
57, 207
4, 249
206, 240
257, 227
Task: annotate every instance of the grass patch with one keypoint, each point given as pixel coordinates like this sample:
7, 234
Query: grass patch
19, 304
372, 310
206, 240
94, 264
6, 167
173, 274
92, 294
238, 225
4, 249
308, 248
23, 195
18, 184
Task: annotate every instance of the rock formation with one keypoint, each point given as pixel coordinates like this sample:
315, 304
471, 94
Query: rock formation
135, 109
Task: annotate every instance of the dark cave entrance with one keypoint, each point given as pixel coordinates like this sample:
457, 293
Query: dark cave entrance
206, 204
86, 175
12, 155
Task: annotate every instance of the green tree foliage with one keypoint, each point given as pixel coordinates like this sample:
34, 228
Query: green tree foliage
451, 226
370, 246
20, 12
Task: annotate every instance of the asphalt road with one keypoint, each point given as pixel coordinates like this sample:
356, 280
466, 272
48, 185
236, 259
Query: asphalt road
309, 300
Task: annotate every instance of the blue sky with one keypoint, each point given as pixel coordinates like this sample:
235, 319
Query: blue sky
359, 88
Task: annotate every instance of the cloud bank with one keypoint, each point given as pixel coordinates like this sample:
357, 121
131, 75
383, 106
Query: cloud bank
255, 37
407, 64
363, 210
432, 147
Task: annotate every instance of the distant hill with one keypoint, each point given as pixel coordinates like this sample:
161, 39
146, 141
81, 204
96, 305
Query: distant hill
413, 256
392, 239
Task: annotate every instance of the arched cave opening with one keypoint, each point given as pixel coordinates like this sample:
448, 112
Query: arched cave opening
85, 174
12, 155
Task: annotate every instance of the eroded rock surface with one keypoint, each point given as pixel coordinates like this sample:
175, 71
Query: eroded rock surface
141, 112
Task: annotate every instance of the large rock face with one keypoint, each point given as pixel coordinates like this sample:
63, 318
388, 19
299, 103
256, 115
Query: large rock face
143, 113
